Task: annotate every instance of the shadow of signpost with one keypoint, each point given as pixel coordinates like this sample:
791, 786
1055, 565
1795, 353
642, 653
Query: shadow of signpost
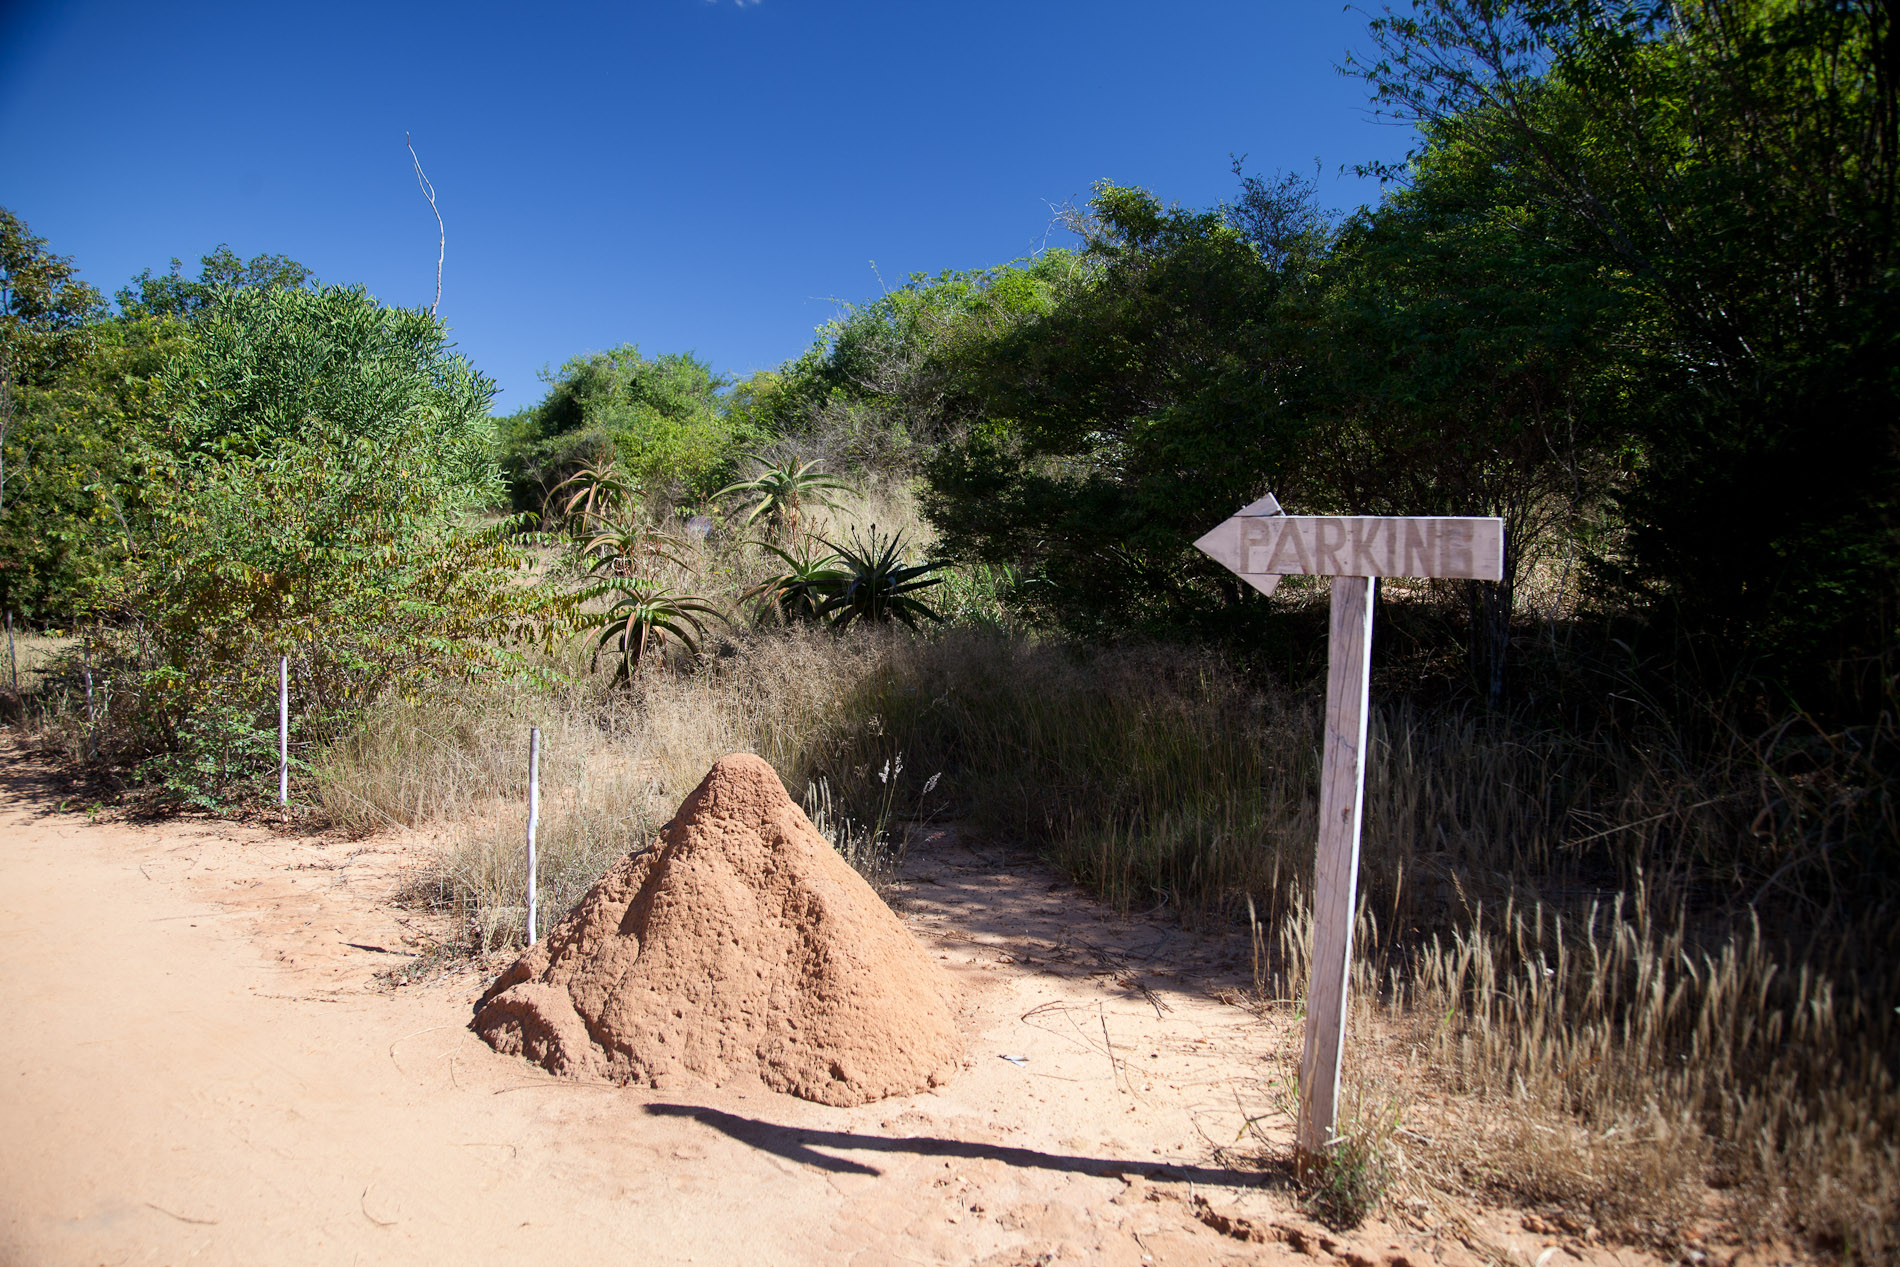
800, 1144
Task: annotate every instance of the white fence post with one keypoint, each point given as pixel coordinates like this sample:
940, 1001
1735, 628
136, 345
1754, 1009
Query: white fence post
283, 730
13, 663
92, 720
534, 815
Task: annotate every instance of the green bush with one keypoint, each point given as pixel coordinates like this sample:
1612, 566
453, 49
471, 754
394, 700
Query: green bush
331, 550
308, 497
662, 420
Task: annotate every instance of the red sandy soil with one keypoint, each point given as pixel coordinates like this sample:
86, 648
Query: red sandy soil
203, 1061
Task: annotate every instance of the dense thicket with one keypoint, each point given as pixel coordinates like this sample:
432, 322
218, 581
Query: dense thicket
661, 419
1730, 166
1634, 293
241, 467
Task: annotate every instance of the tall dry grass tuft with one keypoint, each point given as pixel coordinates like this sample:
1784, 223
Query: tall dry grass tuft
36, 662
614, 765
1614, 1068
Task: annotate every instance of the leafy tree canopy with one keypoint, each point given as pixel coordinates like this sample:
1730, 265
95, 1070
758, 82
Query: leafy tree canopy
46, 316
43, 305
303, 492
1734, 165
662, 418
886, 380
221, 272
73, 465
1108, 424
273, 364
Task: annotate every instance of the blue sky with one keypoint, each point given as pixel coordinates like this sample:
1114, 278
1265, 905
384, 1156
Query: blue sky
680, 174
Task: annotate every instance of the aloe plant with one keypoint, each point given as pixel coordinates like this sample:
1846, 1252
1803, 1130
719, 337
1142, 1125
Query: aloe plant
799, 594
879, 585
644, 617
596, 491
629, 547
783, 490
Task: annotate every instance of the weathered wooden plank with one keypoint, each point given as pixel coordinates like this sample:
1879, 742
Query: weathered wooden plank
1359, 545
1260, 544
1336, 877
1266, 582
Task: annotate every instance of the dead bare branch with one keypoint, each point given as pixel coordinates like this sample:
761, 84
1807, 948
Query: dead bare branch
442, 237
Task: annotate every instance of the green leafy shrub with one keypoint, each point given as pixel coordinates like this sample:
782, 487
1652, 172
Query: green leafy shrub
306, 497
661, 419
332, 551
223, 753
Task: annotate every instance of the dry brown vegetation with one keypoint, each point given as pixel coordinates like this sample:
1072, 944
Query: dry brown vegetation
1618, 1038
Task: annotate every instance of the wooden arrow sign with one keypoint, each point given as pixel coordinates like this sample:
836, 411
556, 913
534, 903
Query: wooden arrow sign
1260, 544
1276, 545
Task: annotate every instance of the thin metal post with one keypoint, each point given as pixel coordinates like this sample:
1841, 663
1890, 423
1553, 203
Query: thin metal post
283, 730
534, 816
92, 722
13, 663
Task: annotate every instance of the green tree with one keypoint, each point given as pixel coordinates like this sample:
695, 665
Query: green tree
662, 419
1472, 363
1735, 163
305, 493
886, 381
172, 294
74, 461
1163, 388
44, 314
52, 364
275, 364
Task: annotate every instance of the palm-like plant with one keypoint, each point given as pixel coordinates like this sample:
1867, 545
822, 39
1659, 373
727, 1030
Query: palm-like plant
643, 618
879, 585
782, 490
629, 546
799, 593
598, 489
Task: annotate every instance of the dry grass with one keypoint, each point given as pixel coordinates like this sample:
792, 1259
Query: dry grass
1584, 934
614, 766
1610, 1068
31, 662
34, 653
1650, 978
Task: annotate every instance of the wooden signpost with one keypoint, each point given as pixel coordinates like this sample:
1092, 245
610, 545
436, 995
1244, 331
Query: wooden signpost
1261, 544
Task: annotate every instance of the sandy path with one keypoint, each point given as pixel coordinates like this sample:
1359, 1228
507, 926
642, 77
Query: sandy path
198, 1066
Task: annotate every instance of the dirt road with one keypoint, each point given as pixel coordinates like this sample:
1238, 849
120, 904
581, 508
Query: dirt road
200, 1065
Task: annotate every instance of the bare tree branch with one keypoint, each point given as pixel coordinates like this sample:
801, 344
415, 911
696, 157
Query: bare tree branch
442, 237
